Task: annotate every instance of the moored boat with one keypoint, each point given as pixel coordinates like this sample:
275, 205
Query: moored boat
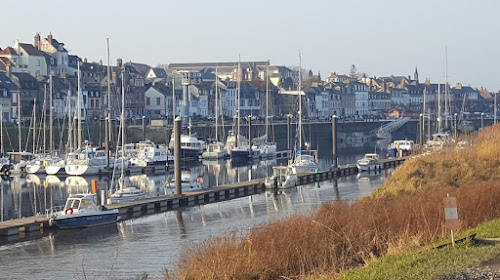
370, 162
81, 210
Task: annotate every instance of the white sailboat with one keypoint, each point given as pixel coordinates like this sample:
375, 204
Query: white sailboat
215, 150
125, 193
19, 160
302, 162
237, 146
267, 149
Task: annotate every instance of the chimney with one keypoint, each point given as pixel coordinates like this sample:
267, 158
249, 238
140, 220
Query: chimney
63, 75
37, 40
114, 77
49, 38
85, 60
100, 62
459, 86
7, 71
119, 62
427, 81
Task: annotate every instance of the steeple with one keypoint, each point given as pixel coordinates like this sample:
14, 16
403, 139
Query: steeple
415, 75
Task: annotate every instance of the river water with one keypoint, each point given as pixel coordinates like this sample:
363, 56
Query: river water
153, 243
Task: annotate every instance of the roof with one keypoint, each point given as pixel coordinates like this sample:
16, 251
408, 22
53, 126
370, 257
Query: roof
141, 68
9, 51
5, 61
30, 49
6, 83
159, 72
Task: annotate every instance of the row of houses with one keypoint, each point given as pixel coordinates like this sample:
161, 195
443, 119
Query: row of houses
30, 72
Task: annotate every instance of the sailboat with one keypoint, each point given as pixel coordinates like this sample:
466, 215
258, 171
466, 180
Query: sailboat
38, 166
237, 146
215, 150
302, 162
266, 148
19, 160
124, 193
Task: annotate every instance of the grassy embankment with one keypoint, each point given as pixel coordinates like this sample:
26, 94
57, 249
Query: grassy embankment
403, 215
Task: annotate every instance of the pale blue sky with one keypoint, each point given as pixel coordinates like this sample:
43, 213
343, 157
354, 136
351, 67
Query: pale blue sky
381, 37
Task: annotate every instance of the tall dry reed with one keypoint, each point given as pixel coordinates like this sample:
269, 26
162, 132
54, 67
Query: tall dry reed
343, 235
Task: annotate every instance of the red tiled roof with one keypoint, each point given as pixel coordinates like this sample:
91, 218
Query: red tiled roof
9, 51
30, 49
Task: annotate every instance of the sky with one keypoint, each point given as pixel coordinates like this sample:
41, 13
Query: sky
382, 38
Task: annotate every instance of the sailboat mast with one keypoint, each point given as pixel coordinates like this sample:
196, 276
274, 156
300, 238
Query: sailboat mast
216, 107
108, 119
34, 125
70, 121
79, 109
123, 120
424, 110
446, 86
238, 102
299, 88
1, 134
267, 101
51, 141
19, 119
439, 108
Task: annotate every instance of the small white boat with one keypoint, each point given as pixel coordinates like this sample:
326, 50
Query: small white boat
283, 177
147, 153
191, 147
38, 166
215, 151
439, 140
304, 163
126, 194
370, 162
401, 148
81, 210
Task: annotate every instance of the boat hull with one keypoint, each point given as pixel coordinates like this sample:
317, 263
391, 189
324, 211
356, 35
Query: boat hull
369, 167
86, 220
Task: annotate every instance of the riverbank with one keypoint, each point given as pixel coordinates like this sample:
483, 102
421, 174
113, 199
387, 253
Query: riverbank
404, 214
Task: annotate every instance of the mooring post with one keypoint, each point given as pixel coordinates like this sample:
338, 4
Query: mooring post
144, 128
334, 141
177, 155
482, 120
456, 124
250, 155
288, 132
421, 130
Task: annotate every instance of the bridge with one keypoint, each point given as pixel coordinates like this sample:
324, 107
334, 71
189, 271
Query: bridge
385, 130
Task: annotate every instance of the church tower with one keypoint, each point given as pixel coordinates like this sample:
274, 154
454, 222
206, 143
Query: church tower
415, 75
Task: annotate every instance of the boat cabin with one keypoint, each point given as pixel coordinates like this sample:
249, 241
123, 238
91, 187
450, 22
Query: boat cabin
79, 203
17, 157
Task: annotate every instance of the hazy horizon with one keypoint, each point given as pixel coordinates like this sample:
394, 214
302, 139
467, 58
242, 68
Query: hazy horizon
381, 38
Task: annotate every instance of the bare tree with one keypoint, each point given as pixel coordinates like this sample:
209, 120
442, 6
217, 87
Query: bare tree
353, 73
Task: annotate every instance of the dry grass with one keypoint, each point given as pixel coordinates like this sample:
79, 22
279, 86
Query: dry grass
343, 235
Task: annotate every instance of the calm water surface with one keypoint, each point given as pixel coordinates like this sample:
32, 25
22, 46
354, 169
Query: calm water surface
153, 243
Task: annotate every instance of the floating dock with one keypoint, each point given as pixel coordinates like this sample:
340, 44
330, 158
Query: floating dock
134, 209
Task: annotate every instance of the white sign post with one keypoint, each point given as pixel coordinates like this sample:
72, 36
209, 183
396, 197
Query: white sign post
451, 216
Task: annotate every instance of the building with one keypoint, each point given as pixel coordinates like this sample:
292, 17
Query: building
58, 55
25, 58
7, 90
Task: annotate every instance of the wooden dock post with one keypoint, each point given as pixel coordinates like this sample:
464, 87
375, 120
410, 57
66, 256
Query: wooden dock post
144, 128
455, 127
177, 155
288, 132
334, 141
482, 120
421, 130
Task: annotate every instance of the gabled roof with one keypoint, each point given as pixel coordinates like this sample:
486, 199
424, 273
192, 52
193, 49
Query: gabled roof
30, 49
5, 61
159, 72
140, 68
9, 51
6, 83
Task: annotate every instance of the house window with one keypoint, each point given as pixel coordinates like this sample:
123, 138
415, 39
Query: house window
97, 103
158, 101
148, 101
91, 103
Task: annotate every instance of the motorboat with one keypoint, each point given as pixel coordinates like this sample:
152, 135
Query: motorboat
147, 153
283, 177
215, 151
191, 147
370, 162
19, 161
439, 140
401, 148
81, 211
